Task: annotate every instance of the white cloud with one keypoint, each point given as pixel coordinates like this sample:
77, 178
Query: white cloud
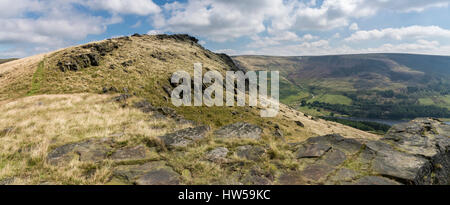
414, 32
278, 38
31, 26
227, 51
323, 47
336, 35
354, 27
407, 5
138, 7
224, 20
57, 24
154, 32
218, 20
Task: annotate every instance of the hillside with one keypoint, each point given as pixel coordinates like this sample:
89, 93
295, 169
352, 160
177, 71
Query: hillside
100, 113
387, 86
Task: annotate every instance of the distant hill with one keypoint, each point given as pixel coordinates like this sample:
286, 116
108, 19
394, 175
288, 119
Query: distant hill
367, 85
7, 60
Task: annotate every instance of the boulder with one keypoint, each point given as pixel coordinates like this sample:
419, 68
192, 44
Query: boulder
279, 134
257, 176
151, 173
291, 178
102, 48
217, 155
312, 150
239, 130
344, 175
317, 172
91, 150
131, 153
412, 153
162, 176
300, 124
334, 157
185, 137
78, 62
375, 180
144, 106
250, 152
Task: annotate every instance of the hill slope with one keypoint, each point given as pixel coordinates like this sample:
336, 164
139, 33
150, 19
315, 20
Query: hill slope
93, 114
392, 86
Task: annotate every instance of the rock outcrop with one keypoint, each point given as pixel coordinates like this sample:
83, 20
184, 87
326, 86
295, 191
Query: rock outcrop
185, 137
239, 130
151, 173
91, 57
414, 153
96, 150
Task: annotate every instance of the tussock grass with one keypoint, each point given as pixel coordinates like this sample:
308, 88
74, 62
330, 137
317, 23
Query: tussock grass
41, 123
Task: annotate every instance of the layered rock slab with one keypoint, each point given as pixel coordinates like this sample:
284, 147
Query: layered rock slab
412, 153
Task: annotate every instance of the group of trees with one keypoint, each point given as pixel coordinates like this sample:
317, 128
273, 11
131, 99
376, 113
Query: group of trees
361, 125
384, 111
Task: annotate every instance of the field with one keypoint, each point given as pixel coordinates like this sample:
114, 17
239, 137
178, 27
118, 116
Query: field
332, 99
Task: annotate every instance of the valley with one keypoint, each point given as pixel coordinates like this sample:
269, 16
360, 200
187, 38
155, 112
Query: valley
374, 86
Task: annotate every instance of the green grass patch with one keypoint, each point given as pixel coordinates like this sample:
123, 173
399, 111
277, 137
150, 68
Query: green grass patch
295, 98
426, 101
332, 99
37, 79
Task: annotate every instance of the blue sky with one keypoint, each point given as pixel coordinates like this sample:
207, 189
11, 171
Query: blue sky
235, 27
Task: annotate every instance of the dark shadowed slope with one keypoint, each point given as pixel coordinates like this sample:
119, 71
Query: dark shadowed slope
7, 60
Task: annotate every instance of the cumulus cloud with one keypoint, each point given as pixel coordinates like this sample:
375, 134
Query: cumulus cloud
218, 20
30, 26
401, 33
224, 20
278, 38
138, 7
154, 32
54, 24
407, 5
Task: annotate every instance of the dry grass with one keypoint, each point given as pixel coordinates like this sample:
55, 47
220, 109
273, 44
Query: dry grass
14, 76
41, 122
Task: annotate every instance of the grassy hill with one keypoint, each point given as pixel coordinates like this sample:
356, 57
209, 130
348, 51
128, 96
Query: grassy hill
117, 89
392, 86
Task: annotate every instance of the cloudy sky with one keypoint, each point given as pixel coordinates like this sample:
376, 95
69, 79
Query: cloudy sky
266, 27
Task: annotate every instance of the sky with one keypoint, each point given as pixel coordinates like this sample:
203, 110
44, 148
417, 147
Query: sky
234, 27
